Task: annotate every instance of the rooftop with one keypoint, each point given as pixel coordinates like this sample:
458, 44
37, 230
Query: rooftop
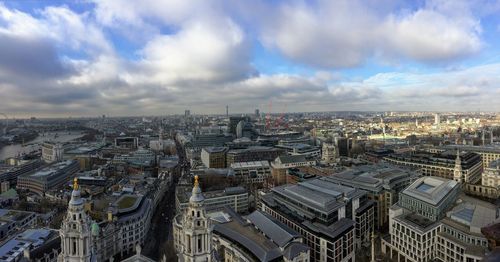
215, 149
287, 159
128, 202
321, 193
251, 164
431, 189
262, 236
50, 170
373, 177
473, 214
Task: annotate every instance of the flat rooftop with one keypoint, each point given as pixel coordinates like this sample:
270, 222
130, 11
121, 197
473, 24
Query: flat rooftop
215, 149
128, 202
431, 190
183, 193
251, 164
373, 176
49, 170
321, 193
473, 214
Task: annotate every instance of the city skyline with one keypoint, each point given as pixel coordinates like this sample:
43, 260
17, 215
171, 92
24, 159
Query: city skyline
89, 58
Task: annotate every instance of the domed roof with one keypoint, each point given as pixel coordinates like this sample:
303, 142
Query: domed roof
196, 195
75, 195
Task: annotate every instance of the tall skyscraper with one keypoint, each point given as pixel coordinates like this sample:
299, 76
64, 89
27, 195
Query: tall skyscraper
187, 113
437, 119
257, 113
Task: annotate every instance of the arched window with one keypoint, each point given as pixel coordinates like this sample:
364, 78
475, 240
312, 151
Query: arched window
198, 213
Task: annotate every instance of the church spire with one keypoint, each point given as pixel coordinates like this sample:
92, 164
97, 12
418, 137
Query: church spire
457, 172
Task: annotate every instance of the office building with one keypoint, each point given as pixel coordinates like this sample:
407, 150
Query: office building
140, 157
234, 197
9, 174
203, 235
382, 182
254, 153
187, 113
254, 173
491, 175
433, 222
329, 153
214, 157
234, 121
281, 164
31, 245
444, 164
256, 237
52, 152
333, 219
301, 149
48, 178
13, 220
487, 153
127, 142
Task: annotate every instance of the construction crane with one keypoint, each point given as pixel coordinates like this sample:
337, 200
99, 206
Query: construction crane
268, 115
279, 120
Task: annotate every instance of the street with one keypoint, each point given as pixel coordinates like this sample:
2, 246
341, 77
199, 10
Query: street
161, 226
160, 234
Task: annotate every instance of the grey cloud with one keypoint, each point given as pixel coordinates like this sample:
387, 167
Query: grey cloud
31, 57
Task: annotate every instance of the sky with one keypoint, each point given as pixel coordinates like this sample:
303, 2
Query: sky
160, 57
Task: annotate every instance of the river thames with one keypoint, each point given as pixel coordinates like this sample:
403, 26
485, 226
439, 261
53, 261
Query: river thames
33, 145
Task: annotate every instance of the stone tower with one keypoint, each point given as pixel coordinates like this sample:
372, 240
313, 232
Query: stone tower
76, 231
194, 229
458, 174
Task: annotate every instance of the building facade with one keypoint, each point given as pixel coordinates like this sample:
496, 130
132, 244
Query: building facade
382, 182
442, 164
331, 217
49, 177
255, 173
491, 175
214, 157
433, 222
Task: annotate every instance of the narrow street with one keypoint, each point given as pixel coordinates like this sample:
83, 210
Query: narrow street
161, 225
160, 232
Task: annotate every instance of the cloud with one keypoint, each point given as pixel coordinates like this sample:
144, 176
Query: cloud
200, 55
202, 51
462, 90
343, 34
30, 57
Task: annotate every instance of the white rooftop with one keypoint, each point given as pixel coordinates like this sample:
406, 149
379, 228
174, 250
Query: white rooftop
430, 189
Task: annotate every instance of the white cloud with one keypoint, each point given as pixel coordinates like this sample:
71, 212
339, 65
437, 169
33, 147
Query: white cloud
343, 34
211, 51
203, 60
